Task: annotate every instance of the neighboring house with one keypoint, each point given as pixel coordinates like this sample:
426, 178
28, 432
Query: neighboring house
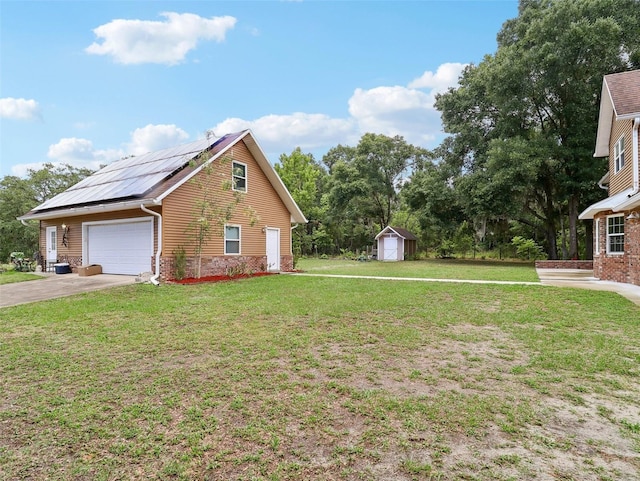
395, 243
616, 219
132, 215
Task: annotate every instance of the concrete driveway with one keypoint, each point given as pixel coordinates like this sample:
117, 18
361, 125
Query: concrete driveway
57, 285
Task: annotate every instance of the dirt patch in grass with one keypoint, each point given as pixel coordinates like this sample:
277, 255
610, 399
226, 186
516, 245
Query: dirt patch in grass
219, 383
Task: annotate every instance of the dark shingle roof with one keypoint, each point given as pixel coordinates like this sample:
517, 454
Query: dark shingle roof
405, 233
624, 89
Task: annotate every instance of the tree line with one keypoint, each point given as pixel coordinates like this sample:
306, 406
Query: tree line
517, 161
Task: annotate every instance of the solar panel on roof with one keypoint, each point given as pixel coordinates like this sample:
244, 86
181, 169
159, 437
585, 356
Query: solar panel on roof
132, 176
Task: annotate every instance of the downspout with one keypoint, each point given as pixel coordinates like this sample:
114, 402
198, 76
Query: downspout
291, 241
154, 280
602, 181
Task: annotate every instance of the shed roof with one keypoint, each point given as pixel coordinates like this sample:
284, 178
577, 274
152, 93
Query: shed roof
147, 179
619, 100
404, 233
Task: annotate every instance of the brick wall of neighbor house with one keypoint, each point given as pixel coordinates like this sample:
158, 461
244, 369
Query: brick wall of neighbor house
564, 264
633, 262
619, 268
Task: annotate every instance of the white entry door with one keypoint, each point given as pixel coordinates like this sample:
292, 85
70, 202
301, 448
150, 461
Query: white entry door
391, 248
273, 250
52, 244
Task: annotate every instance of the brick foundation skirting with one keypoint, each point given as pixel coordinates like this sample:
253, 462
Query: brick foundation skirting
564, 264
222, 265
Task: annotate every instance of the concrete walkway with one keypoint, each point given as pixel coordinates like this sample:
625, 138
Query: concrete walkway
57, 285
583, 279
61, 285
576, 278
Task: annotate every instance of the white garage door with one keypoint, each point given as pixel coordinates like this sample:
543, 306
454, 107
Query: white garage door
120, 248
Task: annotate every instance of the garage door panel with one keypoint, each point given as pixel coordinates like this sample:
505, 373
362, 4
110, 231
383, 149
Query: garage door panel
121, 248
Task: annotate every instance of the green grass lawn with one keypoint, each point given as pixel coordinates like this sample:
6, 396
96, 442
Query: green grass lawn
9, 277
431, 268
286, 377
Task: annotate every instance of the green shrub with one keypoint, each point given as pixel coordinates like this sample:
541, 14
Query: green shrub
180, 256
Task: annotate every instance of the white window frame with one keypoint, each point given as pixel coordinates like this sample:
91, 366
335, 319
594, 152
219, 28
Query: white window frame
234, 176
596, 229
618, 155
238, 240
611, 235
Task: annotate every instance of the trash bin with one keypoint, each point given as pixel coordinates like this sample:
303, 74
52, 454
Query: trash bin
62, 268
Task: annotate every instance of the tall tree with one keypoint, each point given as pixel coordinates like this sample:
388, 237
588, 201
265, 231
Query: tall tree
365, 180
535, 101
304, 178
19, 195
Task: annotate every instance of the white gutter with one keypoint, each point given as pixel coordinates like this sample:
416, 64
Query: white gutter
154, 280
601, 182
88, 209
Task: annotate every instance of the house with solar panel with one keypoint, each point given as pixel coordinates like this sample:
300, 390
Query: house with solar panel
132, 216
616, 219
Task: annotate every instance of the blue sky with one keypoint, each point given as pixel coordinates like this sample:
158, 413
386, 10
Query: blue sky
88, 82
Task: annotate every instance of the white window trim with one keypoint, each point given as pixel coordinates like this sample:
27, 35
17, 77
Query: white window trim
609, 252
618, 154
238, 240
596, 250
233, 176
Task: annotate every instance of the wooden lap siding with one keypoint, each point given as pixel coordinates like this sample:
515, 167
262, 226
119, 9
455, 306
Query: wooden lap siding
624, 178
179, 208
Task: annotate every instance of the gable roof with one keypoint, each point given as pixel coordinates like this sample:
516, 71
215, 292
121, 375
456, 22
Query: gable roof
619, 100
149, 178
405, 234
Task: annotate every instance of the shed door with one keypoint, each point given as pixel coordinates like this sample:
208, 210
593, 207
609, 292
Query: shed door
120, 247
391, 248
273, 250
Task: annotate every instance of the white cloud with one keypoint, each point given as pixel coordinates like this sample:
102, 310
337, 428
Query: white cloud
19, 109
396, 111
390, 110
155, 137
446, 76
77, 152
81, 153
282, 133
163, 42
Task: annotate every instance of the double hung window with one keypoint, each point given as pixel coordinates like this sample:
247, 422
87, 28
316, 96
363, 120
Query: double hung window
239, 176
232, 239
615, 234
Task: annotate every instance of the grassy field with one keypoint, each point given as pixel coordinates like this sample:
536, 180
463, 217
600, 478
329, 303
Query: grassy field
286, 377
9, 277
430, 268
